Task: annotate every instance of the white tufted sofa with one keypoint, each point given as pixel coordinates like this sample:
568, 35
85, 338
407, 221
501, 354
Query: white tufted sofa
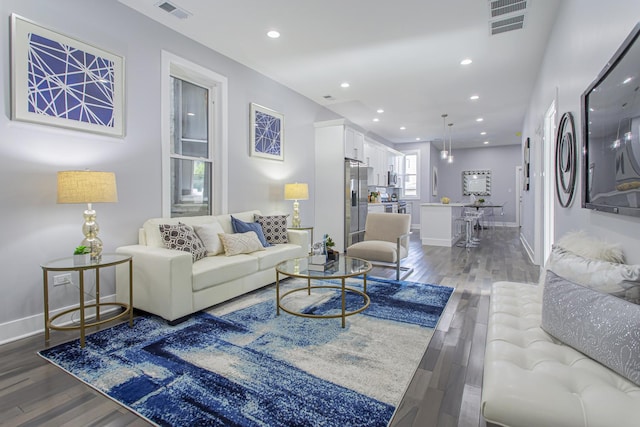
531, 379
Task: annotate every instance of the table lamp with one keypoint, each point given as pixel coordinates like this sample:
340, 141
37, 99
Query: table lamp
295, 192
88, 187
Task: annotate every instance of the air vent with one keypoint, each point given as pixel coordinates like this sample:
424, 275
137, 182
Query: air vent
174, 10
503, 7
509, 24
328, 97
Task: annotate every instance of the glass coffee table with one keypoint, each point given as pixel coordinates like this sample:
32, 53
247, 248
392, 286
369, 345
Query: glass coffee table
345, 267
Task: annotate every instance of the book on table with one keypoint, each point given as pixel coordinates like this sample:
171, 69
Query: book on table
327, 265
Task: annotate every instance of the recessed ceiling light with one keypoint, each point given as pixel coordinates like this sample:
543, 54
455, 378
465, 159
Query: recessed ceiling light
466, 61
418, 139
627, 80
474, 97
273, 34
479, 119
486, 142
402, 127
191, 114
376, 119
483, 133
344, 84
380, 111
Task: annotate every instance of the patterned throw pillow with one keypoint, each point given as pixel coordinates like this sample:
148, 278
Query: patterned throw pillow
274, 228
240, 226
182, 237
599, 325
240, 243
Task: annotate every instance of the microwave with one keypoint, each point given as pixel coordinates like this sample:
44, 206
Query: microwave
392, 179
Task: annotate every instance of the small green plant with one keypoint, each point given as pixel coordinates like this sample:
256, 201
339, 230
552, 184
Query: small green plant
80, 250
329, 243
480, 200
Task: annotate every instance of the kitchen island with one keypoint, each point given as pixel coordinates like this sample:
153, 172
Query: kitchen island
437, 223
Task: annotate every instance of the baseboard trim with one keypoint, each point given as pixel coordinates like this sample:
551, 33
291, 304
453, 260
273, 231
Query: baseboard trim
33, 325
527, 248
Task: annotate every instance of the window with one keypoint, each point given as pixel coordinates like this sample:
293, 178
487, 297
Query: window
194, 139
191, 160
411, 188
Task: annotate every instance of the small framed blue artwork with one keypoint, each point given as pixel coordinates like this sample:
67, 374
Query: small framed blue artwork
59, 81
267, 133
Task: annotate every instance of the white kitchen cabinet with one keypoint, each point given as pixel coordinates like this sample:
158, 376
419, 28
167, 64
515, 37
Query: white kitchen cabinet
353, 144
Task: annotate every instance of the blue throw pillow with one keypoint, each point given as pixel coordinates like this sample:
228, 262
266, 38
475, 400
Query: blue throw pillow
242, 227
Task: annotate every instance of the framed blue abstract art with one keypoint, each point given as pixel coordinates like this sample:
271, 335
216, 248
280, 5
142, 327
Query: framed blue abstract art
60, 81
267, 133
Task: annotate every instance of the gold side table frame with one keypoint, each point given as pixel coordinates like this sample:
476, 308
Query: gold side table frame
347, 267
67, 264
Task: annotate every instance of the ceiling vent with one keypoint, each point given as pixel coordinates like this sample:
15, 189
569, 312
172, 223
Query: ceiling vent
174, 10
509, 24
506, 15
503, 7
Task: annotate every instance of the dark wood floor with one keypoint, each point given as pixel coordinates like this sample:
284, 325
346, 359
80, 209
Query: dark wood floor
445, 390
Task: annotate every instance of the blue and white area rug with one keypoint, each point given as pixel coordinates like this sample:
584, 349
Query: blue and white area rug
241, 365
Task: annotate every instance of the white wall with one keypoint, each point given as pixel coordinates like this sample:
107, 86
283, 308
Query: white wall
585, 36
36, 229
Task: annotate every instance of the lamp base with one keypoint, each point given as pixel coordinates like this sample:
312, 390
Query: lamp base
90, 230
295, 220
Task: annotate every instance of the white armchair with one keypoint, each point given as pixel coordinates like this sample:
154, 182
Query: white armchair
386, 242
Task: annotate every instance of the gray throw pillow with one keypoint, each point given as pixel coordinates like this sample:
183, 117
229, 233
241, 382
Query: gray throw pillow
605, 328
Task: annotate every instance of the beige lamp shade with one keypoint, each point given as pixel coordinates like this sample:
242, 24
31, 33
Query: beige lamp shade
297, 191
87, 187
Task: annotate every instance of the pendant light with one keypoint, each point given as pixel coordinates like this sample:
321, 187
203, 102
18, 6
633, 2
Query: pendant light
450, 158
444, 153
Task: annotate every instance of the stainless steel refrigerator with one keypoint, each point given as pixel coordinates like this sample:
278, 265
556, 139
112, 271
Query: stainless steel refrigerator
356, 203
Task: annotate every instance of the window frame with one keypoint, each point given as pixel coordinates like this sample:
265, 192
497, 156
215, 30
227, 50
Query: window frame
173, 65
407, 154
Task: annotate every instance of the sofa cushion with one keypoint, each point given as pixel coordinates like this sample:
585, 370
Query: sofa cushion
274, 228
208, 233
274, 255
152, 232
599, 325
216, 270
240, 226
182, 237
621, 280
240, 243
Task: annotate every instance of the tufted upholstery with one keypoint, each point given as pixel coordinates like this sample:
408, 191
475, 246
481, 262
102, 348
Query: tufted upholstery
531, 379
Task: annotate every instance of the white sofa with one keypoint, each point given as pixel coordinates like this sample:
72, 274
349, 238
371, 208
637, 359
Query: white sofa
532, 379
169, 284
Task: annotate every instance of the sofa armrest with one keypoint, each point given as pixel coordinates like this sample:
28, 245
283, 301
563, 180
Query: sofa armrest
301, 238
162, 281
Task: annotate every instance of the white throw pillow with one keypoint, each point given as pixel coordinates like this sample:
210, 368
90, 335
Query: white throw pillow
240, 243
620, 280
208, 233
579, 242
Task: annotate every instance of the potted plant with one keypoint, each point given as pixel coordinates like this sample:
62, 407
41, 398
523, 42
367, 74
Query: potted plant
329, 244
81, 255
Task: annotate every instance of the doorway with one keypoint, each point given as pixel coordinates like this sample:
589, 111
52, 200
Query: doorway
548, 180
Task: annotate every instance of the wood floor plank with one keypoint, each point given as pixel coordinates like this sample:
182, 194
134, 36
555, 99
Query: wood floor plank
445, 390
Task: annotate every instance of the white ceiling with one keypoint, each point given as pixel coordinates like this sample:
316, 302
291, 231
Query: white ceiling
401, 55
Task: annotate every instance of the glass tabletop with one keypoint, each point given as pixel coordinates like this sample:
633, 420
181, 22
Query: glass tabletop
344, 267
69, 263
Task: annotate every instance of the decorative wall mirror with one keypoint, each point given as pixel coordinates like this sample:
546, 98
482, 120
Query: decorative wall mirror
477, 182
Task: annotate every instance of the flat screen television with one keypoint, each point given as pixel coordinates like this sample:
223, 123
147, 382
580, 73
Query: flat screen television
611, 131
